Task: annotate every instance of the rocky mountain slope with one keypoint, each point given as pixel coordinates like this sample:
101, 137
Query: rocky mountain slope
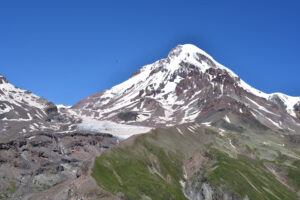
23, 113
183, 87
42, 154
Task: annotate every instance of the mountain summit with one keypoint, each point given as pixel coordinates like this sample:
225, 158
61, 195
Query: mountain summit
187, 86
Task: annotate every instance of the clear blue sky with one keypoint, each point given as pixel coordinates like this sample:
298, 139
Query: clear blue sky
66, 50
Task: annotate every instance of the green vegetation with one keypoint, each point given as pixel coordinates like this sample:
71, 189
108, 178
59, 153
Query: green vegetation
249, 177
155, 173
294, 175
9, 191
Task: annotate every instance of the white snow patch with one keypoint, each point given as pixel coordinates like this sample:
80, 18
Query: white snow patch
179, 131
191, 130
291, 129
59, 106
289, 102
121, 131
226, 118
264, 117
185, 174
182, 183
262, 108
6, 109
206, 123
221, 132
274, 123
266, 143
230, 142
30, 138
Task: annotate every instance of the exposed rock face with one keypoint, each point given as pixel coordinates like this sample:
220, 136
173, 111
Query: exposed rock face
3, 80
297, 109
43, 161
128, 116
40, 149
203, 191
182, 87
197, 186
198, 189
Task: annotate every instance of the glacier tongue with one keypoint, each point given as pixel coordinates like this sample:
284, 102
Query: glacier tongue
121, 131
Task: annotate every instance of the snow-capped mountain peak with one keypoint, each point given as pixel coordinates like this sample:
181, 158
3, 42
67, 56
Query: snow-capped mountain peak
181, 88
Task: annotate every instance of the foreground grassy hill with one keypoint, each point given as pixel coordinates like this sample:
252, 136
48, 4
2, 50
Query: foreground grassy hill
208, 161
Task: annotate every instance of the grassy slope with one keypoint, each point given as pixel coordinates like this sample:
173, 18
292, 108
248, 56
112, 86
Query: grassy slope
249, 177
123, 171
293, 174
151, 165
